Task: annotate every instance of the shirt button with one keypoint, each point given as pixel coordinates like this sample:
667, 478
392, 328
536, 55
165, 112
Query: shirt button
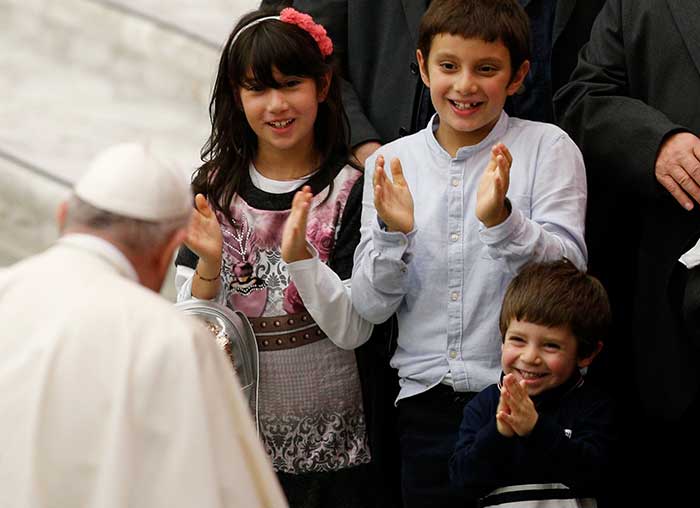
453, 354
454, 296
454, 237
455, 182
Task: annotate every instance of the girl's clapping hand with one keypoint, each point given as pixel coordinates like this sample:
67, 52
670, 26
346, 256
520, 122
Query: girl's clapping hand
294, 234
204, 234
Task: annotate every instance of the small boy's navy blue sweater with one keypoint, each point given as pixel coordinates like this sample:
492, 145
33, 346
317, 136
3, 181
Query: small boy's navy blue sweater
570, 443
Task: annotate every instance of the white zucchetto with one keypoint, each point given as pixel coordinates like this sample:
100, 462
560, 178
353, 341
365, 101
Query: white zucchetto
130, 180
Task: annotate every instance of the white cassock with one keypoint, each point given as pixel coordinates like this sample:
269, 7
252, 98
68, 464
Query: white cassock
111, 398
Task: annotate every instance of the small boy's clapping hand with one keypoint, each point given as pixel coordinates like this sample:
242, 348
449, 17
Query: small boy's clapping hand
503, 428
393, 199
516, 411
491, 207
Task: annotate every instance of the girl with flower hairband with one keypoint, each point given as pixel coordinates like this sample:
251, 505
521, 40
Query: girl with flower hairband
277, 218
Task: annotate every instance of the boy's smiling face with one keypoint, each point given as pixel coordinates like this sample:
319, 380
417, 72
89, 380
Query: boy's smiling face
543, 356
469, 81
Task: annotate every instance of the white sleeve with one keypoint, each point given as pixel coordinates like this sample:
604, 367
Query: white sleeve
328, 300
183, 285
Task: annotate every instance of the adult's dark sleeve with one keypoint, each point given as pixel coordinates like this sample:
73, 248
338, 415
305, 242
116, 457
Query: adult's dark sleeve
185, 257
601, 107
348, 233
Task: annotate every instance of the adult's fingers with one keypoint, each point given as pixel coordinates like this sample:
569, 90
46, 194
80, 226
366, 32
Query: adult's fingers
676, 182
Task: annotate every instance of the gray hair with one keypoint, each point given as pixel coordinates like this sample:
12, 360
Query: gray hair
137, 234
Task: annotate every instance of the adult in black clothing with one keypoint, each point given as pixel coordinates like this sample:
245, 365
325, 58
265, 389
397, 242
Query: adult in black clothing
633, 108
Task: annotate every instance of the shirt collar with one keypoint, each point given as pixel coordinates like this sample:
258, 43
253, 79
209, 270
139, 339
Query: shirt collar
103, 249
491, 139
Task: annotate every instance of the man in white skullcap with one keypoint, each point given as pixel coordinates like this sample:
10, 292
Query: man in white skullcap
109, 396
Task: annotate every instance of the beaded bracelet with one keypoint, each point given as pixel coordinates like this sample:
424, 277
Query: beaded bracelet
205, 279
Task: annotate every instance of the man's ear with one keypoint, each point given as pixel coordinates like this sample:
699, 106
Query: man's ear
168, 251
325, 86
61, 214
423, 66
585, 362
518, 78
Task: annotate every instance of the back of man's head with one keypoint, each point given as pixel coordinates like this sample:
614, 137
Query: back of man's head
130, 180
133, 199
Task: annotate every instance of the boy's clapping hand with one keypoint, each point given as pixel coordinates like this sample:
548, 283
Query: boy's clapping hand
491, 207
393, 199
503, 428
516, 411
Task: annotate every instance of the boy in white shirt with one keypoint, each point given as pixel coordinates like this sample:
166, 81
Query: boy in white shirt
492, 194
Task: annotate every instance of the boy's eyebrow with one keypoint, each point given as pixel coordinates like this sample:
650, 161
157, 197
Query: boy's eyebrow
446, 53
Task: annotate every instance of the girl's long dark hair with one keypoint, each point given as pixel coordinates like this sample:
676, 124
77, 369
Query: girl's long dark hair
232, 144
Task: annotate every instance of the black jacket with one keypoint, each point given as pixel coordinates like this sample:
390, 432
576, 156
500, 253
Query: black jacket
637, 82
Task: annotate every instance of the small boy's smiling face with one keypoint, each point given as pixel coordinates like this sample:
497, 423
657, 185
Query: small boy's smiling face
543, 357
469, 81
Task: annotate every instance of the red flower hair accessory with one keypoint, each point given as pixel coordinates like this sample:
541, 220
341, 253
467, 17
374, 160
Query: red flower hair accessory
306, 23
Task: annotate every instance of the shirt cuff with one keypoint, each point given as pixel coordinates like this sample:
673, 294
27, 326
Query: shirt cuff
304, 264
497, 234
394, 244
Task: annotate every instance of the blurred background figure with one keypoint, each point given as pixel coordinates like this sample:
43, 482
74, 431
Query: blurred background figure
80, 75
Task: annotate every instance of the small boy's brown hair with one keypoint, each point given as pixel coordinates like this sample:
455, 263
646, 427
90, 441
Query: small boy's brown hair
488, 20
559, 294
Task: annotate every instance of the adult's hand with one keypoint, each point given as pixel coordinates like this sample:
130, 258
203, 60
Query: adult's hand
678, 168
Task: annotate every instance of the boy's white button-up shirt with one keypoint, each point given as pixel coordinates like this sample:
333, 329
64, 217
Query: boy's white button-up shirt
446, 279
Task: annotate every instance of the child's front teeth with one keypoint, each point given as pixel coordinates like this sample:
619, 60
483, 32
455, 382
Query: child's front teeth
281, 125
465, 105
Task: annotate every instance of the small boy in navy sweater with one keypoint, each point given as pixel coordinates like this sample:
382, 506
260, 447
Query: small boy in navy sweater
542, 432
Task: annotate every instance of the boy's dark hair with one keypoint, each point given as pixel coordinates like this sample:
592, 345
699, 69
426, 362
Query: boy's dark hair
232, 144
559, 294
488, 20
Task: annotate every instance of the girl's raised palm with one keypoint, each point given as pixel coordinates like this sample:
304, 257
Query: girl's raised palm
294, 233
393, 199
204, 233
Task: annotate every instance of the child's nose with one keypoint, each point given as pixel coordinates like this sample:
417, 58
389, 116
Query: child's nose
530, 355
466, 84
277, 100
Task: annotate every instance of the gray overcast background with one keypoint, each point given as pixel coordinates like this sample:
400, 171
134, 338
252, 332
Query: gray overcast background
79, 75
